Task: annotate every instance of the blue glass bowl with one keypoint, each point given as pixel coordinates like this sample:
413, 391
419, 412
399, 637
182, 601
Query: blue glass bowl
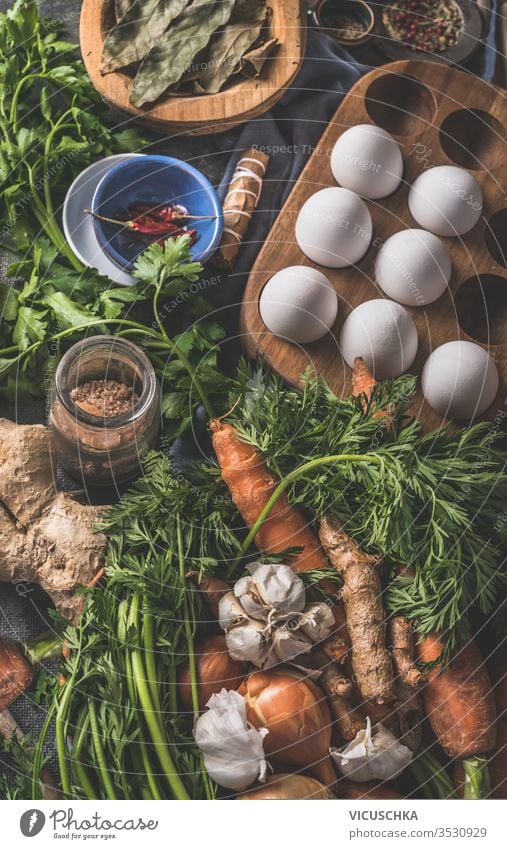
156, 180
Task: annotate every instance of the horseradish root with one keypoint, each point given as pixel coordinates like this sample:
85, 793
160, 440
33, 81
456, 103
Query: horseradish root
403, 652
361, 595
338, 690
45, 536
408, 681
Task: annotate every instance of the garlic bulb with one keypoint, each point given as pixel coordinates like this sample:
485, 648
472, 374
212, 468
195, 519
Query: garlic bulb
266, 620
268, 586
232, 748
373, 753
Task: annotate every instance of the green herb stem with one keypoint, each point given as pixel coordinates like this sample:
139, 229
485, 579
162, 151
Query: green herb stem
61, 736
477, 783
43, 647
38, 753
292, 476
189, 635
99, 751
79, 769
153, 723
150, 657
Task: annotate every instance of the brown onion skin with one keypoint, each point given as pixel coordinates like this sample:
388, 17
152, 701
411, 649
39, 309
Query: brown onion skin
215, 671
285, 786
346, 789
16, 673
295, 712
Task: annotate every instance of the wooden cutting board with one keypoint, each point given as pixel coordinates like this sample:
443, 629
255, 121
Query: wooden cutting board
203, 114
439, 116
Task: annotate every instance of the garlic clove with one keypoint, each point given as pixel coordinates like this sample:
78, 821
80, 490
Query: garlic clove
372, 754
317, 621
286, 645
232, 748
270, 585
248, 642
230, 612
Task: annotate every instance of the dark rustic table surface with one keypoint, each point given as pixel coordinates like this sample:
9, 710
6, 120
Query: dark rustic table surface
24, 615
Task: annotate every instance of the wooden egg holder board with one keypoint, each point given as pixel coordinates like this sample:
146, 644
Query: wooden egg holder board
425, 106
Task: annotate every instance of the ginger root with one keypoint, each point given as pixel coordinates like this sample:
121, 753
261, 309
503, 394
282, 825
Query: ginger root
46, 537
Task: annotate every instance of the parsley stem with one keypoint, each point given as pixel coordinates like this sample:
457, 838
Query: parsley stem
288, 479
173, 347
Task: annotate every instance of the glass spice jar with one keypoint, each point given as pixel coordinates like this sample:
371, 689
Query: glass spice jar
104, 448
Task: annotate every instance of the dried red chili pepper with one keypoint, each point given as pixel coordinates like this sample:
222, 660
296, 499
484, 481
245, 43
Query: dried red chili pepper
148, 226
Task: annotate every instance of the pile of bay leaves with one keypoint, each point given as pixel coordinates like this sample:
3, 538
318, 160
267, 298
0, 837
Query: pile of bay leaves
186, 46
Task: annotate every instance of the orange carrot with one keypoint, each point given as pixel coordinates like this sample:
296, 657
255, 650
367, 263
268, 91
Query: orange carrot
363, 381
251, 484
458, 699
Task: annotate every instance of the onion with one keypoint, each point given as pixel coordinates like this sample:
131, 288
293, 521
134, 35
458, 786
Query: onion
295, 712
346, 789
215, 671
285, 786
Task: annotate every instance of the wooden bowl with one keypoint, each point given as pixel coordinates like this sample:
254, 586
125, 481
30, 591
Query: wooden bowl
201, 114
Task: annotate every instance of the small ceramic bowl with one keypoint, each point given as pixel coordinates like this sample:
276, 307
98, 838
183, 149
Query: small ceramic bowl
156, 180
326, 13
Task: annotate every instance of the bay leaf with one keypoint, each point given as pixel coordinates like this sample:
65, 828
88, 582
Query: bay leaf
166, 63
253, 62
227, 48
139, 30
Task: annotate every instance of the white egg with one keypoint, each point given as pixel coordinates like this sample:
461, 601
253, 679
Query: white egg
299, 304
446, 200
367, 160
334, 228
459, 380
383, 334
413, 267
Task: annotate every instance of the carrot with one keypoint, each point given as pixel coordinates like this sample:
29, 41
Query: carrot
251, 484
212, 589
458, 699
363, 382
